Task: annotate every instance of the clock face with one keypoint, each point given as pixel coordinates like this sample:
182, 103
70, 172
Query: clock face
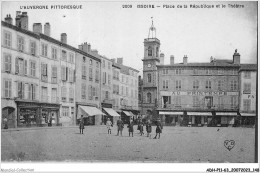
149, 65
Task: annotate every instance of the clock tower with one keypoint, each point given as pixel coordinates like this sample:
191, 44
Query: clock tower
150, 81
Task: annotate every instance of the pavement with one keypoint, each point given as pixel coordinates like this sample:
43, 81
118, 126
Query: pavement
177, 144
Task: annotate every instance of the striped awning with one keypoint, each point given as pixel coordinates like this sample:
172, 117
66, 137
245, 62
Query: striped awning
200, 113
248, 114
170, 113
127, 113
88, 111
226, 113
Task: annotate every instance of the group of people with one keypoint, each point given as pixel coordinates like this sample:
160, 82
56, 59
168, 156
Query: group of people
130, 126
140, 127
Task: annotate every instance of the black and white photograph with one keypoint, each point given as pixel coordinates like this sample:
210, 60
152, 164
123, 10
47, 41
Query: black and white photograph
146, 83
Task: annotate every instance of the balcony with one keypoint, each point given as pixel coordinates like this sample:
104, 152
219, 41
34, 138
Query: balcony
63, 99
200, 107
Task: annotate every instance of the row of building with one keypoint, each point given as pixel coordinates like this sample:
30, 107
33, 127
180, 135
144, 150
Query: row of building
219, 92
44, 78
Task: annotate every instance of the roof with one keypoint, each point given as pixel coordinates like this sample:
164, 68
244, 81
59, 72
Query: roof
248, 67
116, 66
126, 68
45, 37
24, 31
216, 64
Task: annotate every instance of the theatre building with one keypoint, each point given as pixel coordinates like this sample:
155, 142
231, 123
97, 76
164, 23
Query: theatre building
247, 75
198, 94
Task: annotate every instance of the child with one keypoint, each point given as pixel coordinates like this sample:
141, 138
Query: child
158, 129
109, 125
131, 128
149, 129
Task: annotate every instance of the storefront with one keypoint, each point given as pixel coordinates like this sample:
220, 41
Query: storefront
247, 119
126, 116
91, 115
171, 118
9, 114
226, 118
32, 114
199, 118
111, 114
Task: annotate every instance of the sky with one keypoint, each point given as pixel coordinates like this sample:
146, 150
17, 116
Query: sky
116, 32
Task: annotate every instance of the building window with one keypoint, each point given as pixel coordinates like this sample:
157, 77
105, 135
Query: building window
84, 59
195, 101
31, 91
208, 84
44, 50
126, 90
247, 74
166, 100
233, 85
33, 68
195, 71
54, 98
108, 65
104, 77
33, 47
90, 74
149, 78
7, 62
208, 71
220, 71
247, 104
20, 87
44, 72
233, 102
165, 71
247, 88
139, 97
157, 51
7, 88
150, 51
54, 53
97, 64
178, 84
90, 62
126, 80
70, 75
54, 74
71, 59
220, 103
71, 95
63, 73
7, 39
44, 94
233, 71
106, 95
84, 71
97, 76
65, 111
90, 97
149, 98
63, 94
165, 84
178, 71
220, 85
109, 79
122, 90
63, 55
178, 101
83, 91
20, 41
195, 84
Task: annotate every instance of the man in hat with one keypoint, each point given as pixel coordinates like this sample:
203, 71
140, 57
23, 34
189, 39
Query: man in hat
81, 124
120, 126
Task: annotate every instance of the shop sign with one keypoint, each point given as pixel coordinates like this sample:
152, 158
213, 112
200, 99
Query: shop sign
197, 93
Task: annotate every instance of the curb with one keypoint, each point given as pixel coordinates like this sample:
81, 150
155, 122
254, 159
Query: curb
36, 128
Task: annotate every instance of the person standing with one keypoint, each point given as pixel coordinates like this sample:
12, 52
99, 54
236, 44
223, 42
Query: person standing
131, 128
81, 124
149, 128
109, 125
120, 126
5, 123
158, 129
141, 128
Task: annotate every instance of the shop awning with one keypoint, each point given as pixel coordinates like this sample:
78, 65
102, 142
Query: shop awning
170, 113
248, 114
127, 113
111, 112
226, 113
88, 111
200, 113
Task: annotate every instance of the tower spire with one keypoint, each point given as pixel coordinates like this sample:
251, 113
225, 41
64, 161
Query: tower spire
152, 31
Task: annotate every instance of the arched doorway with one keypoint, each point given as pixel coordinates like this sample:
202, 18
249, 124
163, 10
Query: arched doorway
9, 113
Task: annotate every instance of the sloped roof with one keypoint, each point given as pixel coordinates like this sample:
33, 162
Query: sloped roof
248, 67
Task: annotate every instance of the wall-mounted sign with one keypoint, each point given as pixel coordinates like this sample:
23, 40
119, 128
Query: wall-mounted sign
197, 93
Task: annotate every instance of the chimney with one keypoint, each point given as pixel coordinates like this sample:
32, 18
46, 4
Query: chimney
37, 27
171, 60
185, 59
89, 48
9, 19
84, 47
236, 58
120, 61
63, 38
18, 19
24, 20
47, 29
161, 58
80, 47
113, 60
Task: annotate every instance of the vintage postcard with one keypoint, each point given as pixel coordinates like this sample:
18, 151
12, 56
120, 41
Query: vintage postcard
129, 82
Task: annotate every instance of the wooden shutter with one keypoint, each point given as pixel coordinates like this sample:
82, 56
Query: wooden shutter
25, 67
6, 63
23, 88
16, 65
66, 73
30, 91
